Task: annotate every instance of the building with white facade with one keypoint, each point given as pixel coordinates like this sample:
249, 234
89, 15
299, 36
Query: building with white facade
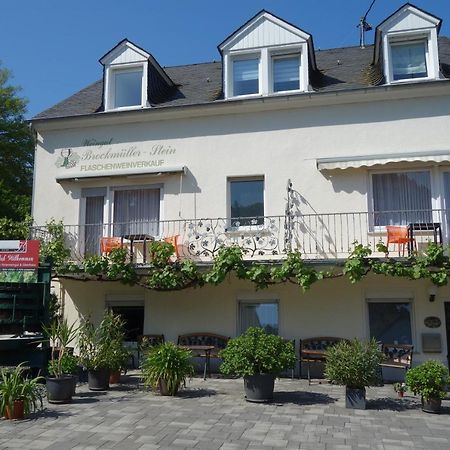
278, 146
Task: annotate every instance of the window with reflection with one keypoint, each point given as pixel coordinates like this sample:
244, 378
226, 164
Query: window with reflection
247, 202
409, 60
390, 321
127, 88
245, 76
263, 315
286, 73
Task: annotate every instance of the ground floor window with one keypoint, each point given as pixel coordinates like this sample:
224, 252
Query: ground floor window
390, 321
258, 314
133, 315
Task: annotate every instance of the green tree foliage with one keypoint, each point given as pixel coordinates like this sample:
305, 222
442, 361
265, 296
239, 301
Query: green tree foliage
16, 156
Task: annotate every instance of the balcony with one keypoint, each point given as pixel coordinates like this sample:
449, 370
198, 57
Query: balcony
329, 236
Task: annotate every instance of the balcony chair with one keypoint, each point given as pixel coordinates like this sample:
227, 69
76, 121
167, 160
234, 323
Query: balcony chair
174, 241
398, 235
107, 244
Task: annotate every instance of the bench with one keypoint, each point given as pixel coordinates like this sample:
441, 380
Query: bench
312, 350
398, 356
217, 341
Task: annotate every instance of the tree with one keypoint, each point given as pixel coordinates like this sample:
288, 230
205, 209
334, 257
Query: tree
16, 153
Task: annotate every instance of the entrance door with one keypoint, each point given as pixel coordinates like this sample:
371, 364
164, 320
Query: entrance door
447, 329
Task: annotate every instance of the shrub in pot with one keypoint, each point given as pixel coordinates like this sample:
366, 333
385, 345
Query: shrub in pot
258, 357
400, 388
98, 349
19, 395
354, 364
62, 365
165, 367
429, 380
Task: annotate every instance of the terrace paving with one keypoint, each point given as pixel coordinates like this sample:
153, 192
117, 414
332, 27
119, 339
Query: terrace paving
213, 414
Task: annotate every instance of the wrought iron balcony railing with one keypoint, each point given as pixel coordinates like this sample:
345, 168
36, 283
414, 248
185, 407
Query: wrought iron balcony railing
317, 236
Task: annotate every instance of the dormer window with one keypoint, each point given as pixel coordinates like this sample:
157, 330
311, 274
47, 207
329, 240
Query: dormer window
246, 76
409, 60
127, 90
267, 56
406, 46
286, 73
126, 81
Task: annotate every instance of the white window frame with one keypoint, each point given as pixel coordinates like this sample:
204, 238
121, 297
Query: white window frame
110, 76
265, 55
371, 206
282, 55
254, 301
242, 56
244, 178
428, 37
390, 299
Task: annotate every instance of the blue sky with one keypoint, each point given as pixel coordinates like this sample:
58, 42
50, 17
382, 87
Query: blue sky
53, 46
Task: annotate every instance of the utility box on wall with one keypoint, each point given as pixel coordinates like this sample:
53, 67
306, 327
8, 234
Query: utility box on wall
431, 343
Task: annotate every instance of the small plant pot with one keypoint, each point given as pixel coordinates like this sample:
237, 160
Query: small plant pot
431, 405
114, 377
60, 389
17, 411
98, 380
164, 390
259, 388
355, 398
400, 394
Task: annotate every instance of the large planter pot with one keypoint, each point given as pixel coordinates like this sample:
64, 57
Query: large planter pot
259, 388
16, 412
431, 405
60, 389
355, 398
98, 380
163, 389
114, 377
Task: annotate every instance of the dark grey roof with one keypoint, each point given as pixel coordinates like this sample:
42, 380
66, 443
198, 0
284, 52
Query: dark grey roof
339, 68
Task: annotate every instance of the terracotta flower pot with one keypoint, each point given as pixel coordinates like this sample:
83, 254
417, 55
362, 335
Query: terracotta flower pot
114, 377
400, 394
17, 411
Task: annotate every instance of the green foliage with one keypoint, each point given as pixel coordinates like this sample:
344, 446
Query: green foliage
227, 260
16, 156
60, 335
67, 364
53, 247
11, 229
357, 266
167, 364
353, 363
257, 352
113, 266
102, 347
428, 380
400, 387
14, 385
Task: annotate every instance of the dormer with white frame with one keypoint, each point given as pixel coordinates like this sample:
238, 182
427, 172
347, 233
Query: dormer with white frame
266, 56
406, 46
126, 80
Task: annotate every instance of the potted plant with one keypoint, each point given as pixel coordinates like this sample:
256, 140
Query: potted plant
98, 349
61, 381
119, 356
429, 380
258, 357
400, 388
19, 395
165, 367
355, 365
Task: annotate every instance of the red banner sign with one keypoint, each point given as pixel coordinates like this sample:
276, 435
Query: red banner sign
19, 254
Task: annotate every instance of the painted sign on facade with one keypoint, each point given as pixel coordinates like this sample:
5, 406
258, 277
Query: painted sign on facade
19, 254
96, 158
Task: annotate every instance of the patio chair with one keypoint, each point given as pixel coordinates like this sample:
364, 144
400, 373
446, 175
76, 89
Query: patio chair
398, 235
146, 341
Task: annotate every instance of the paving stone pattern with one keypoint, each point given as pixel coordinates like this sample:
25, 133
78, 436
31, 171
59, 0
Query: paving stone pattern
213, 414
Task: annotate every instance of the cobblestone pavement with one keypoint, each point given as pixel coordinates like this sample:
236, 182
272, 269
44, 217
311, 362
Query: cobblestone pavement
213, 414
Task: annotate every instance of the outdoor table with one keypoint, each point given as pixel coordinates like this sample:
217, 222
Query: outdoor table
435, 227
137, 238
206, 350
